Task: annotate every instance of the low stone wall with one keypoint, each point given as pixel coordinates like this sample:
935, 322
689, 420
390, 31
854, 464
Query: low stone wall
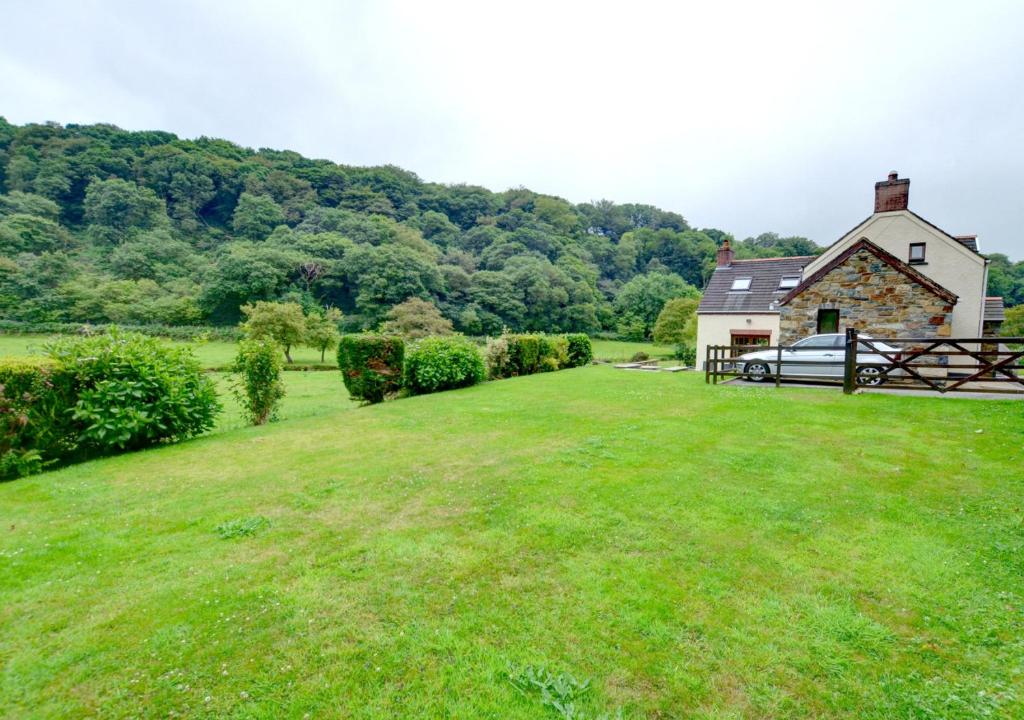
871, 296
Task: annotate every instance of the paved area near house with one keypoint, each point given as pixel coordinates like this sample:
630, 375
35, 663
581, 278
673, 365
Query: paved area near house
923, 392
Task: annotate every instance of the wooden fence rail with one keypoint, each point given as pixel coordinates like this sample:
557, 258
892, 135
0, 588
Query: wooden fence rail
991, 365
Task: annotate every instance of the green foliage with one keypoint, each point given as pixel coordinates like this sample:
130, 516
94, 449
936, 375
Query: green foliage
33, 418
322, 330
525, 354
27, 233
561, 693
677, 322
1013, 325
371, 365
132, 391
415, 319
257, 384
256, 216
580, 350
686, 353
114, 208
284, 323
442, 363
242, 527
643, 297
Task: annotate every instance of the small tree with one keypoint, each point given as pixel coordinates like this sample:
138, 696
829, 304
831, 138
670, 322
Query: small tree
677, 322
283, 323
258, 384
322, 330
415, 319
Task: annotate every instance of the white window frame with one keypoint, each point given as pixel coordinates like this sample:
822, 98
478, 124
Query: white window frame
794, 280
742, 282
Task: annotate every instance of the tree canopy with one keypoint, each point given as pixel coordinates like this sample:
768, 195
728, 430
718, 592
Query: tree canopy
100, 224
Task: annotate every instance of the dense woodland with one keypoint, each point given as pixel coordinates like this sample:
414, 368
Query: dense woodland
98, 224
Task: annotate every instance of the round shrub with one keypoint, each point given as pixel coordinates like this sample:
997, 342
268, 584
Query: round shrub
133, 391
371, 365
443, 363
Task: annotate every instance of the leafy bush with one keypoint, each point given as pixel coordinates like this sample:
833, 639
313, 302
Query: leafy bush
686, 353
97, 395
282, 322
499, 358
580, 350
640, 357
258, 385
133, 391
371, 365
33, 418
443, 363
524, 353
554, 353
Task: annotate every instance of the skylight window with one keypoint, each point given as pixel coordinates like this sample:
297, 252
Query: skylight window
741, 283
788, 282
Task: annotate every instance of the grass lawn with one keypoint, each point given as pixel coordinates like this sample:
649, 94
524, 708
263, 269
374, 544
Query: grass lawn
694, 551
618, 351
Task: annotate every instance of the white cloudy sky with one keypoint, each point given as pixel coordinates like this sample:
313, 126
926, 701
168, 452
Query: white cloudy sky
744, 116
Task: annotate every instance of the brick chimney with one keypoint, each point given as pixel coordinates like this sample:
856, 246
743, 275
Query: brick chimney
892, 194
725, 254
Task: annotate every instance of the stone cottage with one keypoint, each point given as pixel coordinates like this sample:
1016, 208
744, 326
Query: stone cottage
893, 275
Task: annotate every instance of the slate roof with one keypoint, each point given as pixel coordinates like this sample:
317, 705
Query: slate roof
888, 258
968, 241
764, 275
994, 310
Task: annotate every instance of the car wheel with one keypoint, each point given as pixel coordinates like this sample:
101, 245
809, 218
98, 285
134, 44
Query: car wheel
756, 372
870, 376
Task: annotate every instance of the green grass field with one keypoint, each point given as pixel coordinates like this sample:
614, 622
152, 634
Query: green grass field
212, 354
694, 551
219, 355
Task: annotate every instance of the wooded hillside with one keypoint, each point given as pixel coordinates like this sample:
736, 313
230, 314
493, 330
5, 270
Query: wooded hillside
98, 224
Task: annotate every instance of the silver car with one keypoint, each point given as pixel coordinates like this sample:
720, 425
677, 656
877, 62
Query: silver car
819, 356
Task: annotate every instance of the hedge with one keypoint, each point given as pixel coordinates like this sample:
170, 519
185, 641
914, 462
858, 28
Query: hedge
371, 365
171, 332
443, 363
98, 395
524, 354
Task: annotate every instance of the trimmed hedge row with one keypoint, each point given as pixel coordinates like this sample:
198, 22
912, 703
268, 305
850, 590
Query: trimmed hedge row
524, 354
98, 395
377, 366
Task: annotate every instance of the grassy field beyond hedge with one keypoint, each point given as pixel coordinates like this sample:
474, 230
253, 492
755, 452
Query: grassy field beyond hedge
694, 551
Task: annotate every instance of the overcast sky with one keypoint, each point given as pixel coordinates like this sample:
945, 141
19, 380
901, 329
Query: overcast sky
747, 117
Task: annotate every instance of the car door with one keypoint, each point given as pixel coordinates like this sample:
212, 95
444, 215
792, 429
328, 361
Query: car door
833, 357
809, 355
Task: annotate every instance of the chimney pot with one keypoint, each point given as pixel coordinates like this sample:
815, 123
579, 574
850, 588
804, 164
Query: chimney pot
892, 194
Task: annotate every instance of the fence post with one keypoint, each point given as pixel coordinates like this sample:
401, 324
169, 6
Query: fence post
707, 364
850, 362
778, 364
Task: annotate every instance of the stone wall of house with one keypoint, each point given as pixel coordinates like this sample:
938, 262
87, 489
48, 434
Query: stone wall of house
871, 296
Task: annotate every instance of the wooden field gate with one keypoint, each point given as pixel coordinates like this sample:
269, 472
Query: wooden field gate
989, 365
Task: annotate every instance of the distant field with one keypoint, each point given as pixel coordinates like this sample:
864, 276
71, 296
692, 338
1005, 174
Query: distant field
221, 354
615, 350
694, 551
214, 354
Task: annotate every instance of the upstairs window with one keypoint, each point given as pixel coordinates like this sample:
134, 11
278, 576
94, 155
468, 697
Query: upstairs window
741, 283
916, 253
788, 282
